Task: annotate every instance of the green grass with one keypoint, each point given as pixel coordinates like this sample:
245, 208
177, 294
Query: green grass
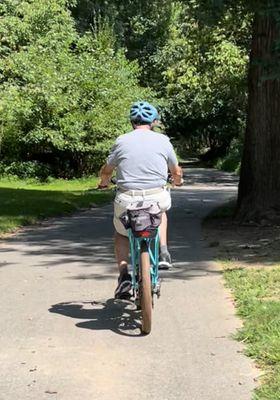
257, 294
23, 202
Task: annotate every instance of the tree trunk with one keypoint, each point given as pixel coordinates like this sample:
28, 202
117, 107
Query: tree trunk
259, 188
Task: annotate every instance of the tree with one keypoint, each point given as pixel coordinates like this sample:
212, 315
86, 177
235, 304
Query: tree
203, 67
140, 26
64, 98
259, 188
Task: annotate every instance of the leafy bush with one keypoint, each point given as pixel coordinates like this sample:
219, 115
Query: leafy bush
203, 68
231, 162
25, 170
63, 97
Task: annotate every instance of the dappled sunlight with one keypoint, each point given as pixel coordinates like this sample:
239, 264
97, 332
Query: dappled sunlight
86, 239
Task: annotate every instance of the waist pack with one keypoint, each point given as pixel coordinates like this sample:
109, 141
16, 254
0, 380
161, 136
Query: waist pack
142, 216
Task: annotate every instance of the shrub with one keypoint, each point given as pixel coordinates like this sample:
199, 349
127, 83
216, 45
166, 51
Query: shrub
25, 170
63, 97
203, 68
231, 162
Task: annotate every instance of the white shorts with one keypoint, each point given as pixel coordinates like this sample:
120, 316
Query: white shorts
123, 200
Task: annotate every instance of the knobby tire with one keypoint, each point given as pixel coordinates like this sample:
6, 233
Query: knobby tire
145, 290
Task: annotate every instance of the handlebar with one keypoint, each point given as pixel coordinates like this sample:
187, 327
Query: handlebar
114, 182
101, 187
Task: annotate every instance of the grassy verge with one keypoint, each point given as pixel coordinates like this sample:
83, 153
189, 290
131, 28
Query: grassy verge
251, 257
23, 202
257, 294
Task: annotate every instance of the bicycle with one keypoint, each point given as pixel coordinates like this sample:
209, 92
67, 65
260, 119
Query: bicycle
144, 256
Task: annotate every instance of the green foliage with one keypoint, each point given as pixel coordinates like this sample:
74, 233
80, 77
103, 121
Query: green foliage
141, 26
63, 98
231, 162
257, 294
66, 83
24, 170
194, 54
204, 69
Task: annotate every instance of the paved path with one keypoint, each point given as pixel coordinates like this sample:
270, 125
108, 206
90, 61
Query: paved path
62, 336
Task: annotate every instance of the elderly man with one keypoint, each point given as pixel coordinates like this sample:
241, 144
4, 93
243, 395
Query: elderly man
142, 159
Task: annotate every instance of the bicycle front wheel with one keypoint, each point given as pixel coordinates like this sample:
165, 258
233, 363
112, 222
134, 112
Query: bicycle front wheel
145, 289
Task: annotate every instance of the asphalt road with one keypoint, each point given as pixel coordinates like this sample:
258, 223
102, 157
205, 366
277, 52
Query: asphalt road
63, 336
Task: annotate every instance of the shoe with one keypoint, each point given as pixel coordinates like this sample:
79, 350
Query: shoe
164, 261
124, 287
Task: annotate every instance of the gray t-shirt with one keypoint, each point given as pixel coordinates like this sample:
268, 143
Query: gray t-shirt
142, 158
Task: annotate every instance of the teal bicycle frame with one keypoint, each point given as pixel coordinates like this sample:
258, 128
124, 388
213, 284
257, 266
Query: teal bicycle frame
152, 244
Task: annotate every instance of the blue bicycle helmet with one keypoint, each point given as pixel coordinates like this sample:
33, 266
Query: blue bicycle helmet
142, 111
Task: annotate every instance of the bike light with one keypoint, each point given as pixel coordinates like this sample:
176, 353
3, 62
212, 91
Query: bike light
145, 234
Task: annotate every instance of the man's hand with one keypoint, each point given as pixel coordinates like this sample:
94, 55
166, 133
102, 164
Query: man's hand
102, 187
105, 176
177, 175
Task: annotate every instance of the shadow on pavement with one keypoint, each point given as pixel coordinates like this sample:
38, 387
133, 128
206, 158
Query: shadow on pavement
82, 246
86, 239
118, 316
214, 177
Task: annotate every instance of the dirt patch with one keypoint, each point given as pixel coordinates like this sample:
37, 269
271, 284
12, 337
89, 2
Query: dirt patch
252, 246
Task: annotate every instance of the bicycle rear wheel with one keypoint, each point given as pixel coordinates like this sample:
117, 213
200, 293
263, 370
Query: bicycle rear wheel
145, 289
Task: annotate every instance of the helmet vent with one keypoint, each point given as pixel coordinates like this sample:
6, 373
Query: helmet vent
144, 112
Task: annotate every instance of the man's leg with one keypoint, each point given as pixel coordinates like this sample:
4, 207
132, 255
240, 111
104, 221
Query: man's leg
165, 259
121, 252
163, 230
121, 249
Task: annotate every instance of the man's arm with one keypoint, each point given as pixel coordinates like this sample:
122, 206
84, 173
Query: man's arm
177, 174
106, 171
176, 171
105, 175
